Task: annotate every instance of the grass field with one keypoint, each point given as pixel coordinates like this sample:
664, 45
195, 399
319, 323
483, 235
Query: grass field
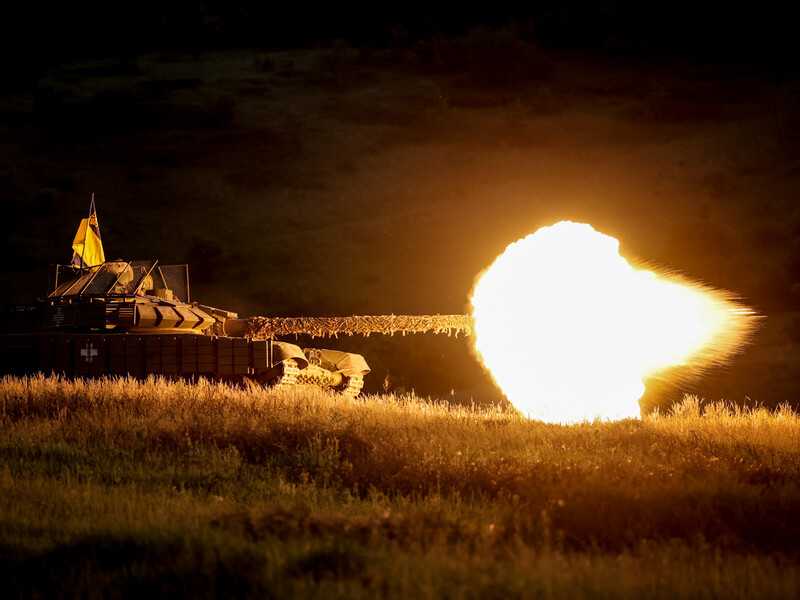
131, 489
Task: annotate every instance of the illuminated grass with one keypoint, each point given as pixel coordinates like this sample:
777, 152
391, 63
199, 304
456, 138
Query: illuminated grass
207, 491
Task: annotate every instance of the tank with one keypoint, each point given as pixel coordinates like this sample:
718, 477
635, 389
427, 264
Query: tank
136, 318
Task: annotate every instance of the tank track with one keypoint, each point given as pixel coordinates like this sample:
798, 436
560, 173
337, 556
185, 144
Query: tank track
349, 386
353, 385
289, 375
316, 376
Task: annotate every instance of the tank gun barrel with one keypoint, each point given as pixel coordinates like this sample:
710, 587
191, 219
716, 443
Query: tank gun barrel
269, 327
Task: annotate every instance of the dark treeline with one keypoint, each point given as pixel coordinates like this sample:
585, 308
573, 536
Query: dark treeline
36, 35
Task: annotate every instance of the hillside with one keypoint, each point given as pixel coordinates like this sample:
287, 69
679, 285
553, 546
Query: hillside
345, 180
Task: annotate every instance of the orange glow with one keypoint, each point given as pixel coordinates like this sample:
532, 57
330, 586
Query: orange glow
569, 329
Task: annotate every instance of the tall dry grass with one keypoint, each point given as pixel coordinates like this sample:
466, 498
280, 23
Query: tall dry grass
209, 490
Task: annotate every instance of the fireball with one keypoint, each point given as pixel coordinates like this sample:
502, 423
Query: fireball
569, 329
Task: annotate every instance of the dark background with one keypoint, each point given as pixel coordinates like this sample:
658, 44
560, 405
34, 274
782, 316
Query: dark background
372, 158
698, 30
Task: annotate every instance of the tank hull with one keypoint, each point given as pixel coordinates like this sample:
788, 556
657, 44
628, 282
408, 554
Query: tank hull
137, 355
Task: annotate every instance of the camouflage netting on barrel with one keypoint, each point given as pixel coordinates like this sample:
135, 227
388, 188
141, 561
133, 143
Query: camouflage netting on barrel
268, 327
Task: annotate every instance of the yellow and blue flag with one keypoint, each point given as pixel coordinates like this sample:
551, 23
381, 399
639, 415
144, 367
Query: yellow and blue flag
87, 245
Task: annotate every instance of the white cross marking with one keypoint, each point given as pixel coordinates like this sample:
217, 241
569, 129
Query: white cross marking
89, 352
